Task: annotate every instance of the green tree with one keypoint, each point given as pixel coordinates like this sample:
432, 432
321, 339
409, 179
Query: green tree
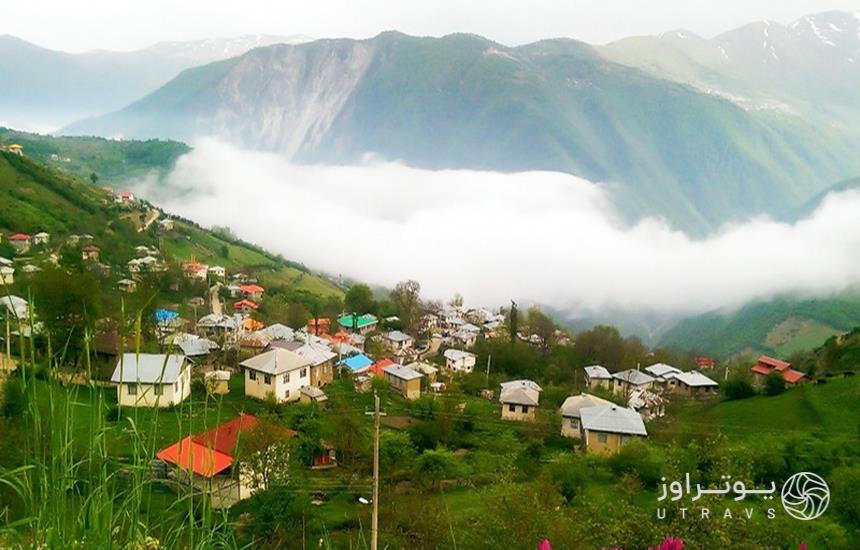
67, 304
407, 301
359, 299
94, 178
738, 387
774, 384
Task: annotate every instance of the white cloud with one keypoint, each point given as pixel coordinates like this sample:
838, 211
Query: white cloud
537, 236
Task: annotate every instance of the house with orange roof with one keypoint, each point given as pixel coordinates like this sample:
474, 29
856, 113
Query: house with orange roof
768, 365
252, 292
195, 270
319, 327
210, 461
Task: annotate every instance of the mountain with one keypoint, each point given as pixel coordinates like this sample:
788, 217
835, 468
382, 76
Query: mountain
44, 89
780, 327
37, 198
113, 161
463, 101
810, 67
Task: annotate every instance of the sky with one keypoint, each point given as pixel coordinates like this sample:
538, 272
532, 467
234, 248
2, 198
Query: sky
538, 237
132, 24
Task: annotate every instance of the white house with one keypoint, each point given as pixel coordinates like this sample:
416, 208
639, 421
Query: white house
571, 422
152, 380
41, 238
277, 373
218, 271
627, 381
7, 275
460, 361
597, 376
398, 341
520, 399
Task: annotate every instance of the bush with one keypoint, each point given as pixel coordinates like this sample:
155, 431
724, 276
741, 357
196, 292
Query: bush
738, 388
637, 458
112, 414
14, 400
845, 483
774, 384
569, 476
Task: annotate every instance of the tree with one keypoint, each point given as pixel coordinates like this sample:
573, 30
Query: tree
264, 451
541, 324
67, 304
359, 299
738, 387
774, 384
406, 299
513, 322
94, 178
456, 300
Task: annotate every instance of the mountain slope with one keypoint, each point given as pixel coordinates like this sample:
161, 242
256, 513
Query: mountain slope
809, 67
113, 161
462, 101
39, 198
781, 326
44, 89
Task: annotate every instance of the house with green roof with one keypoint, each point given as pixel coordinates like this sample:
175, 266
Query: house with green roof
361, 324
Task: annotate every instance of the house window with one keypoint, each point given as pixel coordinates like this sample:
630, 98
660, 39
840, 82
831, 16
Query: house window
176, 387
325, 369
525, 409
131, 389
574, 423
303, 373
512, 408
158, 389
252, 374
286, 378
601, 438
625, 439
267, 379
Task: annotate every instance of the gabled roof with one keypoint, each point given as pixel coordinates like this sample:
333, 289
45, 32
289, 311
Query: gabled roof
513, 384
317, 355
777, 364
379, 367
633, 376
661, 369
398, 336
572, 405
196, 347
245, 304
221, 321
280, 332
404, 373
252, 289
19, 237
613, 419
598, 372
693, 379
360, 321
276, 361
520, 396
148, 368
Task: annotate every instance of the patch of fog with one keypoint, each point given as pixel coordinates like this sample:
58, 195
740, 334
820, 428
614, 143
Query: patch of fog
539, 237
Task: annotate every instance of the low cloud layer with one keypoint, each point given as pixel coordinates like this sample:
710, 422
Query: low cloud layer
538, 237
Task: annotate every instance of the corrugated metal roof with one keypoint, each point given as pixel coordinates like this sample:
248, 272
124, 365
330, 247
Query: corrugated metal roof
573, 404
276, 361
612, 418
149, 368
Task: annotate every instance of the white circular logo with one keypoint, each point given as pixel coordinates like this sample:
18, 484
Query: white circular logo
805, 496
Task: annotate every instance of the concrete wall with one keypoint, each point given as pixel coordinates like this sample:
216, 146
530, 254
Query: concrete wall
172, 394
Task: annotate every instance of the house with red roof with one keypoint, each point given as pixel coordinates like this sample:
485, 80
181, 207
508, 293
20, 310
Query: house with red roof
210, 462
767, 365
20, 242
195, 270
252, 292
245, 306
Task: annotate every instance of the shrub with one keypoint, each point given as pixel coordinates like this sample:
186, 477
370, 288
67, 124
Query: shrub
14, 400
774, 384
738, 387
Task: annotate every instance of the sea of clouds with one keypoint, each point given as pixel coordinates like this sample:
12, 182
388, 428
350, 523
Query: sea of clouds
542, 237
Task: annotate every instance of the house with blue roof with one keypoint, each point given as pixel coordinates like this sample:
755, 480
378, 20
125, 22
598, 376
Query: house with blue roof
357, 363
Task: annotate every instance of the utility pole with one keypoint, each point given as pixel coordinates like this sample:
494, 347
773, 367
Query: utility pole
374, 518
489, 359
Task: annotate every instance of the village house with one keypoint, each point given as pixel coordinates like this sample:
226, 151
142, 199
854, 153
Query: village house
660, 370
361, 324
459, 361
210, 463
124, 198
398, 342
278, 331
464, 338
691, 384
245, 306
252, 292
217, 382
767, 365
20, 242
152, 380
608, 428
221, 328
311, 394
165, 224
41, 238
597, 376
196, 349
15, 149
404, 380
627, 381
7, 272
357, 364
90, 253
429, 371
318, 326
126, 285
218, 272
571, 424
519, 400
195, 270
278, 374
321, 360
29, 269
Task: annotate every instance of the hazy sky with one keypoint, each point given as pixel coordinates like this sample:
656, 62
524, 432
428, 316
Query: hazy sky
130, 24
